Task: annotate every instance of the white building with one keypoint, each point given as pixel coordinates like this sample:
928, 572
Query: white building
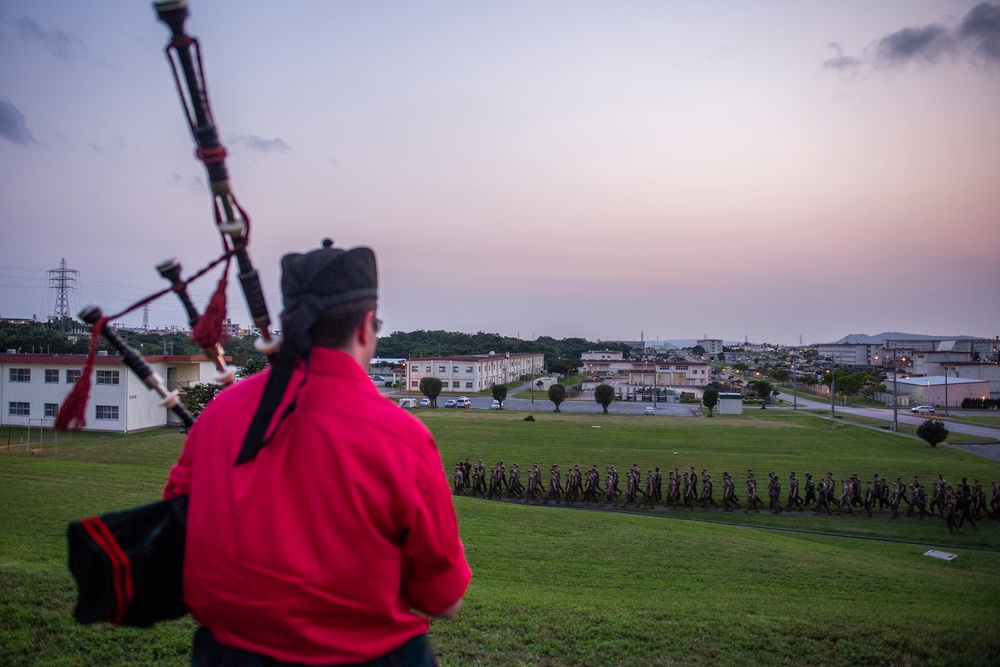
712, 346
473, 372
850, 354
602, 355
32, 387
730, 403
936, 390
677, 373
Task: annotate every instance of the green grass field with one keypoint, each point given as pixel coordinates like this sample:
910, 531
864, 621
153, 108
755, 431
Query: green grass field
565, 586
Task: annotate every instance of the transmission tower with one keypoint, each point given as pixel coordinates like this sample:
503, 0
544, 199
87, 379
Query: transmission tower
62, 280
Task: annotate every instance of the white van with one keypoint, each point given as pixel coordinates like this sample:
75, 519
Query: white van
407, 402
463, 402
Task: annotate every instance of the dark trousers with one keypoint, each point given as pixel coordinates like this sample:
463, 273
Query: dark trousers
207, 651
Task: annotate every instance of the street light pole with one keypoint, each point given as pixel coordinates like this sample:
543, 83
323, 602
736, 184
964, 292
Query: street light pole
946, 369
895, 392
833, 388
795, 389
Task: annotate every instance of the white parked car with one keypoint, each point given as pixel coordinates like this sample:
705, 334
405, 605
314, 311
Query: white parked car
425, 402
450, 403
495, 405
650, 411
923, 409
463, 402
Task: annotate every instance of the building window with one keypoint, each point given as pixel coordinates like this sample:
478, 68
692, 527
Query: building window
441, 369
454, 369
73, 375
414, 384
468, 369
107, 377
18, 409
51, 409
20, 375
428, 368
51, 375
468, 385
107, 412
681, 368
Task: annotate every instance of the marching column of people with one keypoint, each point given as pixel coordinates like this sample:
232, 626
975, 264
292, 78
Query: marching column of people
957, 505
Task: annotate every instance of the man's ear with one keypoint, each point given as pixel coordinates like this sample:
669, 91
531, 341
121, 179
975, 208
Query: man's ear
365, 331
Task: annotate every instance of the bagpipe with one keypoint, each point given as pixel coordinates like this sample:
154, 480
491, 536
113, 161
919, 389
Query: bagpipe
128, 564
183, 52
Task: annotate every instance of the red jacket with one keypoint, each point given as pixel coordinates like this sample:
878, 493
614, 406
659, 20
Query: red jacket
318, 550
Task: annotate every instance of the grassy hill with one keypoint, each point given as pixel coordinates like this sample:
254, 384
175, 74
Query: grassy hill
571, 586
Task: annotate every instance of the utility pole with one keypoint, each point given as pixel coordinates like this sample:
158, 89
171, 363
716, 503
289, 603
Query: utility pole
895, 390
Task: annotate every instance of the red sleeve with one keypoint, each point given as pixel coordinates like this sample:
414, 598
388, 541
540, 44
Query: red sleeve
436, 573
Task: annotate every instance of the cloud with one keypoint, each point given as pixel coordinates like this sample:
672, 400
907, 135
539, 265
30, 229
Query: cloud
927, 43
256, 143
12, 124
980, 30
840, 62
62, 45
977, 37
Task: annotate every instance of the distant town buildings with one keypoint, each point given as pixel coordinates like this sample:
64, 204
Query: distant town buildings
473, 372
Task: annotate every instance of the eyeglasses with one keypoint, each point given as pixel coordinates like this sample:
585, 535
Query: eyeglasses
376, 324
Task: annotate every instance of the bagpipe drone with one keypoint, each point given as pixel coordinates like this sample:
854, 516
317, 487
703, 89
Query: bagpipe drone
232, 222
128, 565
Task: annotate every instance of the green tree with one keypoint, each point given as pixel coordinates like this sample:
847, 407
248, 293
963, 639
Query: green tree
932, 431
564, 367
698, 351
500, 393
557, 394
197, 396
763, 389
242, 351
604, 394
710, 399
253, 364
781, 374
431, 388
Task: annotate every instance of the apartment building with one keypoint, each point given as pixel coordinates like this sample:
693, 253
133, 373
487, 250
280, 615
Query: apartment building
473, 372
33, 386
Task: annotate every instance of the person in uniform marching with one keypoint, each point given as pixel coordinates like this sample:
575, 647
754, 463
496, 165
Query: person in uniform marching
793, 492
810, 491
752, 498
847, 489
706, 492
869, 498
822, 498
555, 484
894, 497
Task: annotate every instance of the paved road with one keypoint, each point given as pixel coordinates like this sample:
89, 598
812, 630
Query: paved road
521, 399
986, 450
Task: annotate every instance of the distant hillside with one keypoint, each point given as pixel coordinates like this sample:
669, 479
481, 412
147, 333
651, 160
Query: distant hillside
865, 339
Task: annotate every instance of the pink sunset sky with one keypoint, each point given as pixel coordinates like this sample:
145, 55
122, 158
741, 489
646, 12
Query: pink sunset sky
772, 170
